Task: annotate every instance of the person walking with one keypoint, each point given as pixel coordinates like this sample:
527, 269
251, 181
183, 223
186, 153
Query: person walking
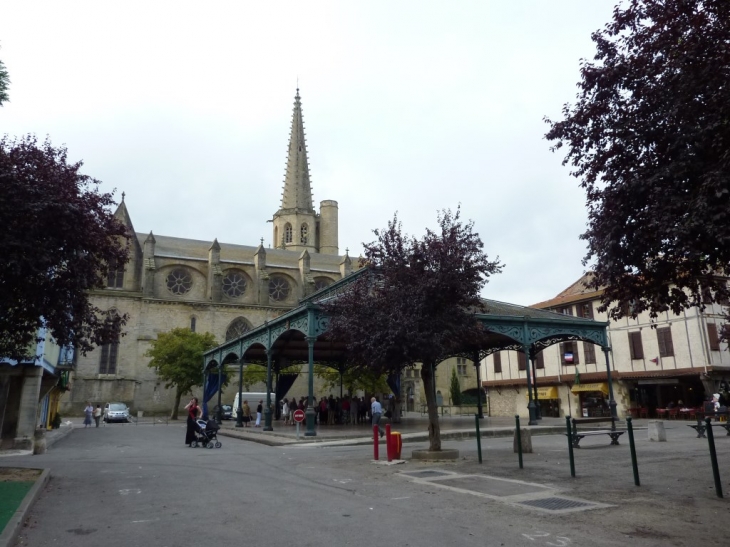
246, 414
193, 413
376, 411
259, 411
88, 411
97, 414
285, 412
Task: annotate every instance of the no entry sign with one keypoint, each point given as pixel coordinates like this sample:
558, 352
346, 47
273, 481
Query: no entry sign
299, 415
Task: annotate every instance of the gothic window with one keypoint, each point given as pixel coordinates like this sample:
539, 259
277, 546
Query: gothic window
115, 278
108, 360
279, 288
234, 284
193, 321
303, 233
322, 282
179, 282
238, 327
287, 233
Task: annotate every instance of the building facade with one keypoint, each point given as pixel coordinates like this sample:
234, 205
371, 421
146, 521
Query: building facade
676, 360
207, 286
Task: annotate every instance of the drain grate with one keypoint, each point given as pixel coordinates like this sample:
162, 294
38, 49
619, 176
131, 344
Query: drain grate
556, 504
425, 474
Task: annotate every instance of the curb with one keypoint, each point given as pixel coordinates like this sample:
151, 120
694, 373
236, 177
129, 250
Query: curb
62, 434
276, 440
14, 525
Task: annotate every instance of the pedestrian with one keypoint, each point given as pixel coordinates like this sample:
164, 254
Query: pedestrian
376, 411
193, 413
88, 411
97, 414
285, 412
354, 408
246, 414
259, 411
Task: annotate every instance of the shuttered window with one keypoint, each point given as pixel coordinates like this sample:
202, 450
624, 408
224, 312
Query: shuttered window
521, 361
540, 361
497, 362
584, 310
635, 346
590, 352
569, 353
712, 337
664, 338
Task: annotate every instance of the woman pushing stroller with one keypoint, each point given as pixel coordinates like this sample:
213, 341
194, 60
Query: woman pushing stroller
194, 412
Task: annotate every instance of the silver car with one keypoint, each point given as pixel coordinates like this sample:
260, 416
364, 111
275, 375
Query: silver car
116, 412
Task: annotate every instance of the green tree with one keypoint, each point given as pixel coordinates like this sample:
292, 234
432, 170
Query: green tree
177, 357
455, 388
353, 379
4, 84
649, 140
254, 374
415, 303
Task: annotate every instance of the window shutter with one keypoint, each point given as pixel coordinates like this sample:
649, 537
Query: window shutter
576, 357
579, 310
497, 362
562, 353
540, 361
590, 352
664, 337
588, 313
635, 345
712, 337
521, 361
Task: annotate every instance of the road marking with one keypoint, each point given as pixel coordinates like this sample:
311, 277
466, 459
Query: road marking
405, 498
127, 491
148, 520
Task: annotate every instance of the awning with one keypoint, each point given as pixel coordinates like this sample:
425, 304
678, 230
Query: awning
603, 387
549, 392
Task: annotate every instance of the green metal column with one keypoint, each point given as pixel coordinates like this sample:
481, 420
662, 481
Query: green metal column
611, 400
531, 408
267, 408
219, 411
480, 388
239, 410
309, 413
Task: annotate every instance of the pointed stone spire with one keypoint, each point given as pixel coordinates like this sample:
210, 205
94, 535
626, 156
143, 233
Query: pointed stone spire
123, 215
297, 194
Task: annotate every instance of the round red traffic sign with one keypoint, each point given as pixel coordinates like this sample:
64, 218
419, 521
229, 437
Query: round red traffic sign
299, 415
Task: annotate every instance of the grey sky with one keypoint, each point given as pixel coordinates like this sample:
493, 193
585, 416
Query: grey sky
408, 106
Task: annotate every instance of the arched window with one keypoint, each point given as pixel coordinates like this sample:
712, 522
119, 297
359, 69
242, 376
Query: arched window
193, 321
238, 327
109, 352
276, 235
321, 282
304, 234
115, 278
287, 233
279, 288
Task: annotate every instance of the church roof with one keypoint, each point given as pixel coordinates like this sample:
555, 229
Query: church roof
123, 215
297, 195
194, 249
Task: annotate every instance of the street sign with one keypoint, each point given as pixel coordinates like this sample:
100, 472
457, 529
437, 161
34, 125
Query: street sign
299, 416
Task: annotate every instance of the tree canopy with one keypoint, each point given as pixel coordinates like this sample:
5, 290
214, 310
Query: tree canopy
649, 140
4, 84
415, 303
59, 236
176, 356
353, 380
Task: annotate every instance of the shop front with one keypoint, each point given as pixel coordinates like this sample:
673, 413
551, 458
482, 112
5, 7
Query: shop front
547, 397
593, 399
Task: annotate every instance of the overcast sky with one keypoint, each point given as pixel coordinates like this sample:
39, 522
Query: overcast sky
408, 106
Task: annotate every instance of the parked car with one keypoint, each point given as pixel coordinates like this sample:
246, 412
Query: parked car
227, 412
116, 412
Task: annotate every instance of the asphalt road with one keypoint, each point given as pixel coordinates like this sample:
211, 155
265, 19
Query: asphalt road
132, 485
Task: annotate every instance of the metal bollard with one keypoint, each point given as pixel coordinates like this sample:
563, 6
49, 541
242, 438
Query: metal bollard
519, 439
479, 438
376, 455
713, 457
570, 446
634, 465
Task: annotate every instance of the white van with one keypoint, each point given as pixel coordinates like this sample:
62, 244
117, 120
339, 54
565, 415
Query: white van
253, 401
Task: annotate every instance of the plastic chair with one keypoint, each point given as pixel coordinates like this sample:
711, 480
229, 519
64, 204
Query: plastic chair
661, 412
673, 413
643, 412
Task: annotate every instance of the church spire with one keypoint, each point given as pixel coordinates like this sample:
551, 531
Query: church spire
297, 194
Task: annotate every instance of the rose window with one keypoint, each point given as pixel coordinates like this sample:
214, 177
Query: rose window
234, 285
278, 289
179, 282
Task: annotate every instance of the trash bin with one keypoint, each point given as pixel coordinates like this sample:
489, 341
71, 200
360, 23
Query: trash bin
396, 444
140, 414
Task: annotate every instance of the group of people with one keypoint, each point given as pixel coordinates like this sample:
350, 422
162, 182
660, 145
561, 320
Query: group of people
91, 412
335, 410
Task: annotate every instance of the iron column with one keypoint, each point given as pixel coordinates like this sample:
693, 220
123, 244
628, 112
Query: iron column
611, 400
267, 409
310, 414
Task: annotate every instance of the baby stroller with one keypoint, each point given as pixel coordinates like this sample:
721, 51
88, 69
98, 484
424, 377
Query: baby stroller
207, 434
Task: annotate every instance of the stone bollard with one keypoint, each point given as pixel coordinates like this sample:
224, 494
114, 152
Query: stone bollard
39, 441
526, 437
656, 431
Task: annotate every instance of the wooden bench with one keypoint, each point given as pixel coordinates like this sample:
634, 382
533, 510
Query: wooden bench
578, 435
700, 427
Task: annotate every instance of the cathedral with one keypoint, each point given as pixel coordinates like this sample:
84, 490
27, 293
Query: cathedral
207, 286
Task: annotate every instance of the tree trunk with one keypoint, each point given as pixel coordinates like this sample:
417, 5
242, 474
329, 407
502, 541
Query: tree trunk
178, 396
434, 429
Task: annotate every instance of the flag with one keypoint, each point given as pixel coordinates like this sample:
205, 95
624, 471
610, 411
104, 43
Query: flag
568, 357
655, 360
